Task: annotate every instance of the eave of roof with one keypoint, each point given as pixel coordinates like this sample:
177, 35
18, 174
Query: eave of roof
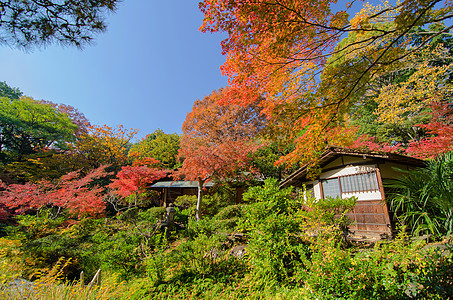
332, 152
179, 184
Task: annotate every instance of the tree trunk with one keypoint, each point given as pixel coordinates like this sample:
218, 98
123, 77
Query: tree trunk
200, 197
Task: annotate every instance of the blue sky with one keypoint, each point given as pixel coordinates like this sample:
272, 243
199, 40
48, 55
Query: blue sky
145, 72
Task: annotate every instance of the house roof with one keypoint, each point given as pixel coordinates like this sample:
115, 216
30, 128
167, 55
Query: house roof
179, 184
333, 152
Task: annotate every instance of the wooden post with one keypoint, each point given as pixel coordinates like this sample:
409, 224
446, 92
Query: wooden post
384, 203
96, 279
165, 196
199, 199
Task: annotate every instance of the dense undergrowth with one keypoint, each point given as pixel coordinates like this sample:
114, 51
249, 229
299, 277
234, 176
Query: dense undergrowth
294, 249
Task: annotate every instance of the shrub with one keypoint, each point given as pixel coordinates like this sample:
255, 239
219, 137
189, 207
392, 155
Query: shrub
390, 270
284, 231
423, 198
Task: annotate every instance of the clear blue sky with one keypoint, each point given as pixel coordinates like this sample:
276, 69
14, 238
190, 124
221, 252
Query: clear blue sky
145, 72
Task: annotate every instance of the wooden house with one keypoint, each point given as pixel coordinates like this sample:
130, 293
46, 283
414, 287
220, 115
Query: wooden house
347, 173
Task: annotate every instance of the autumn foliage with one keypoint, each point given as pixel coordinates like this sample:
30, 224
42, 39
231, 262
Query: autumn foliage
217, 138
289, 52
132, 180
104, 145
72, 192
440, 130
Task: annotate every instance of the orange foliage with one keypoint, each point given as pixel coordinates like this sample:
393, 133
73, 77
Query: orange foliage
272, 45
105, 145
217, 139
287, 51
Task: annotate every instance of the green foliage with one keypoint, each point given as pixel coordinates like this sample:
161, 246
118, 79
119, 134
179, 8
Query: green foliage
275, 249
42, 243
29, 126
224, 222
265, 157
158, 145
185, 208
186, 201
283, 228
30, 130
122, 247
364, 116
9, 92
423, 198
294, 249
218, 197
330, 213
119, 245
26, 25
395, 270
204, 259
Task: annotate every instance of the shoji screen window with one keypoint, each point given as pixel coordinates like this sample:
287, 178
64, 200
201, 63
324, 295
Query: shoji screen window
356, 183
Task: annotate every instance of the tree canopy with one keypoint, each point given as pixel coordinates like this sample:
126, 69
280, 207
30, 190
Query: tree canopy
25, 24
28, 126
9, 92
161, 146
217, 139
289, 52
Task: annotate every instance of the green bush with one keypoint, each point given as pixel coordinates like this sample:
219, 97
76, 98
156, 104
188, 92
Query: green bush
275, 250
213, 201
122, 246
389, 270
43, 241
284, 230
186, 201
423, 198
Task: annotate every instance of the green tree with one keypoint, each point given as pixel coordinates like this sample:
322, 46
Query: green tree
28, 126
32, 133
25, 24
9, 92
264, 159
159, 145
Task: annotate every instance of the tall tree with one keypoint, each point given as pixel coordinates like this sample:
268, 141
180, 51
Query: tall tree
161, 146
217, 139
28, 126
25, 24
396, 101
278, 49
33, 134
103, 145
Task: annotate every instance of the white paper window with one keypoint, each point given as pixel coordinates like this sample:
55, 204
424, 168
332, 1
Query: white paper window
365, 182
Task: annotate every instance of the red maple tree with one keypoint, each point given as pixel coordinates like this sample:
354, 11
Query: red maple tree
133, 180
440, 130
75, 193
217, 139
